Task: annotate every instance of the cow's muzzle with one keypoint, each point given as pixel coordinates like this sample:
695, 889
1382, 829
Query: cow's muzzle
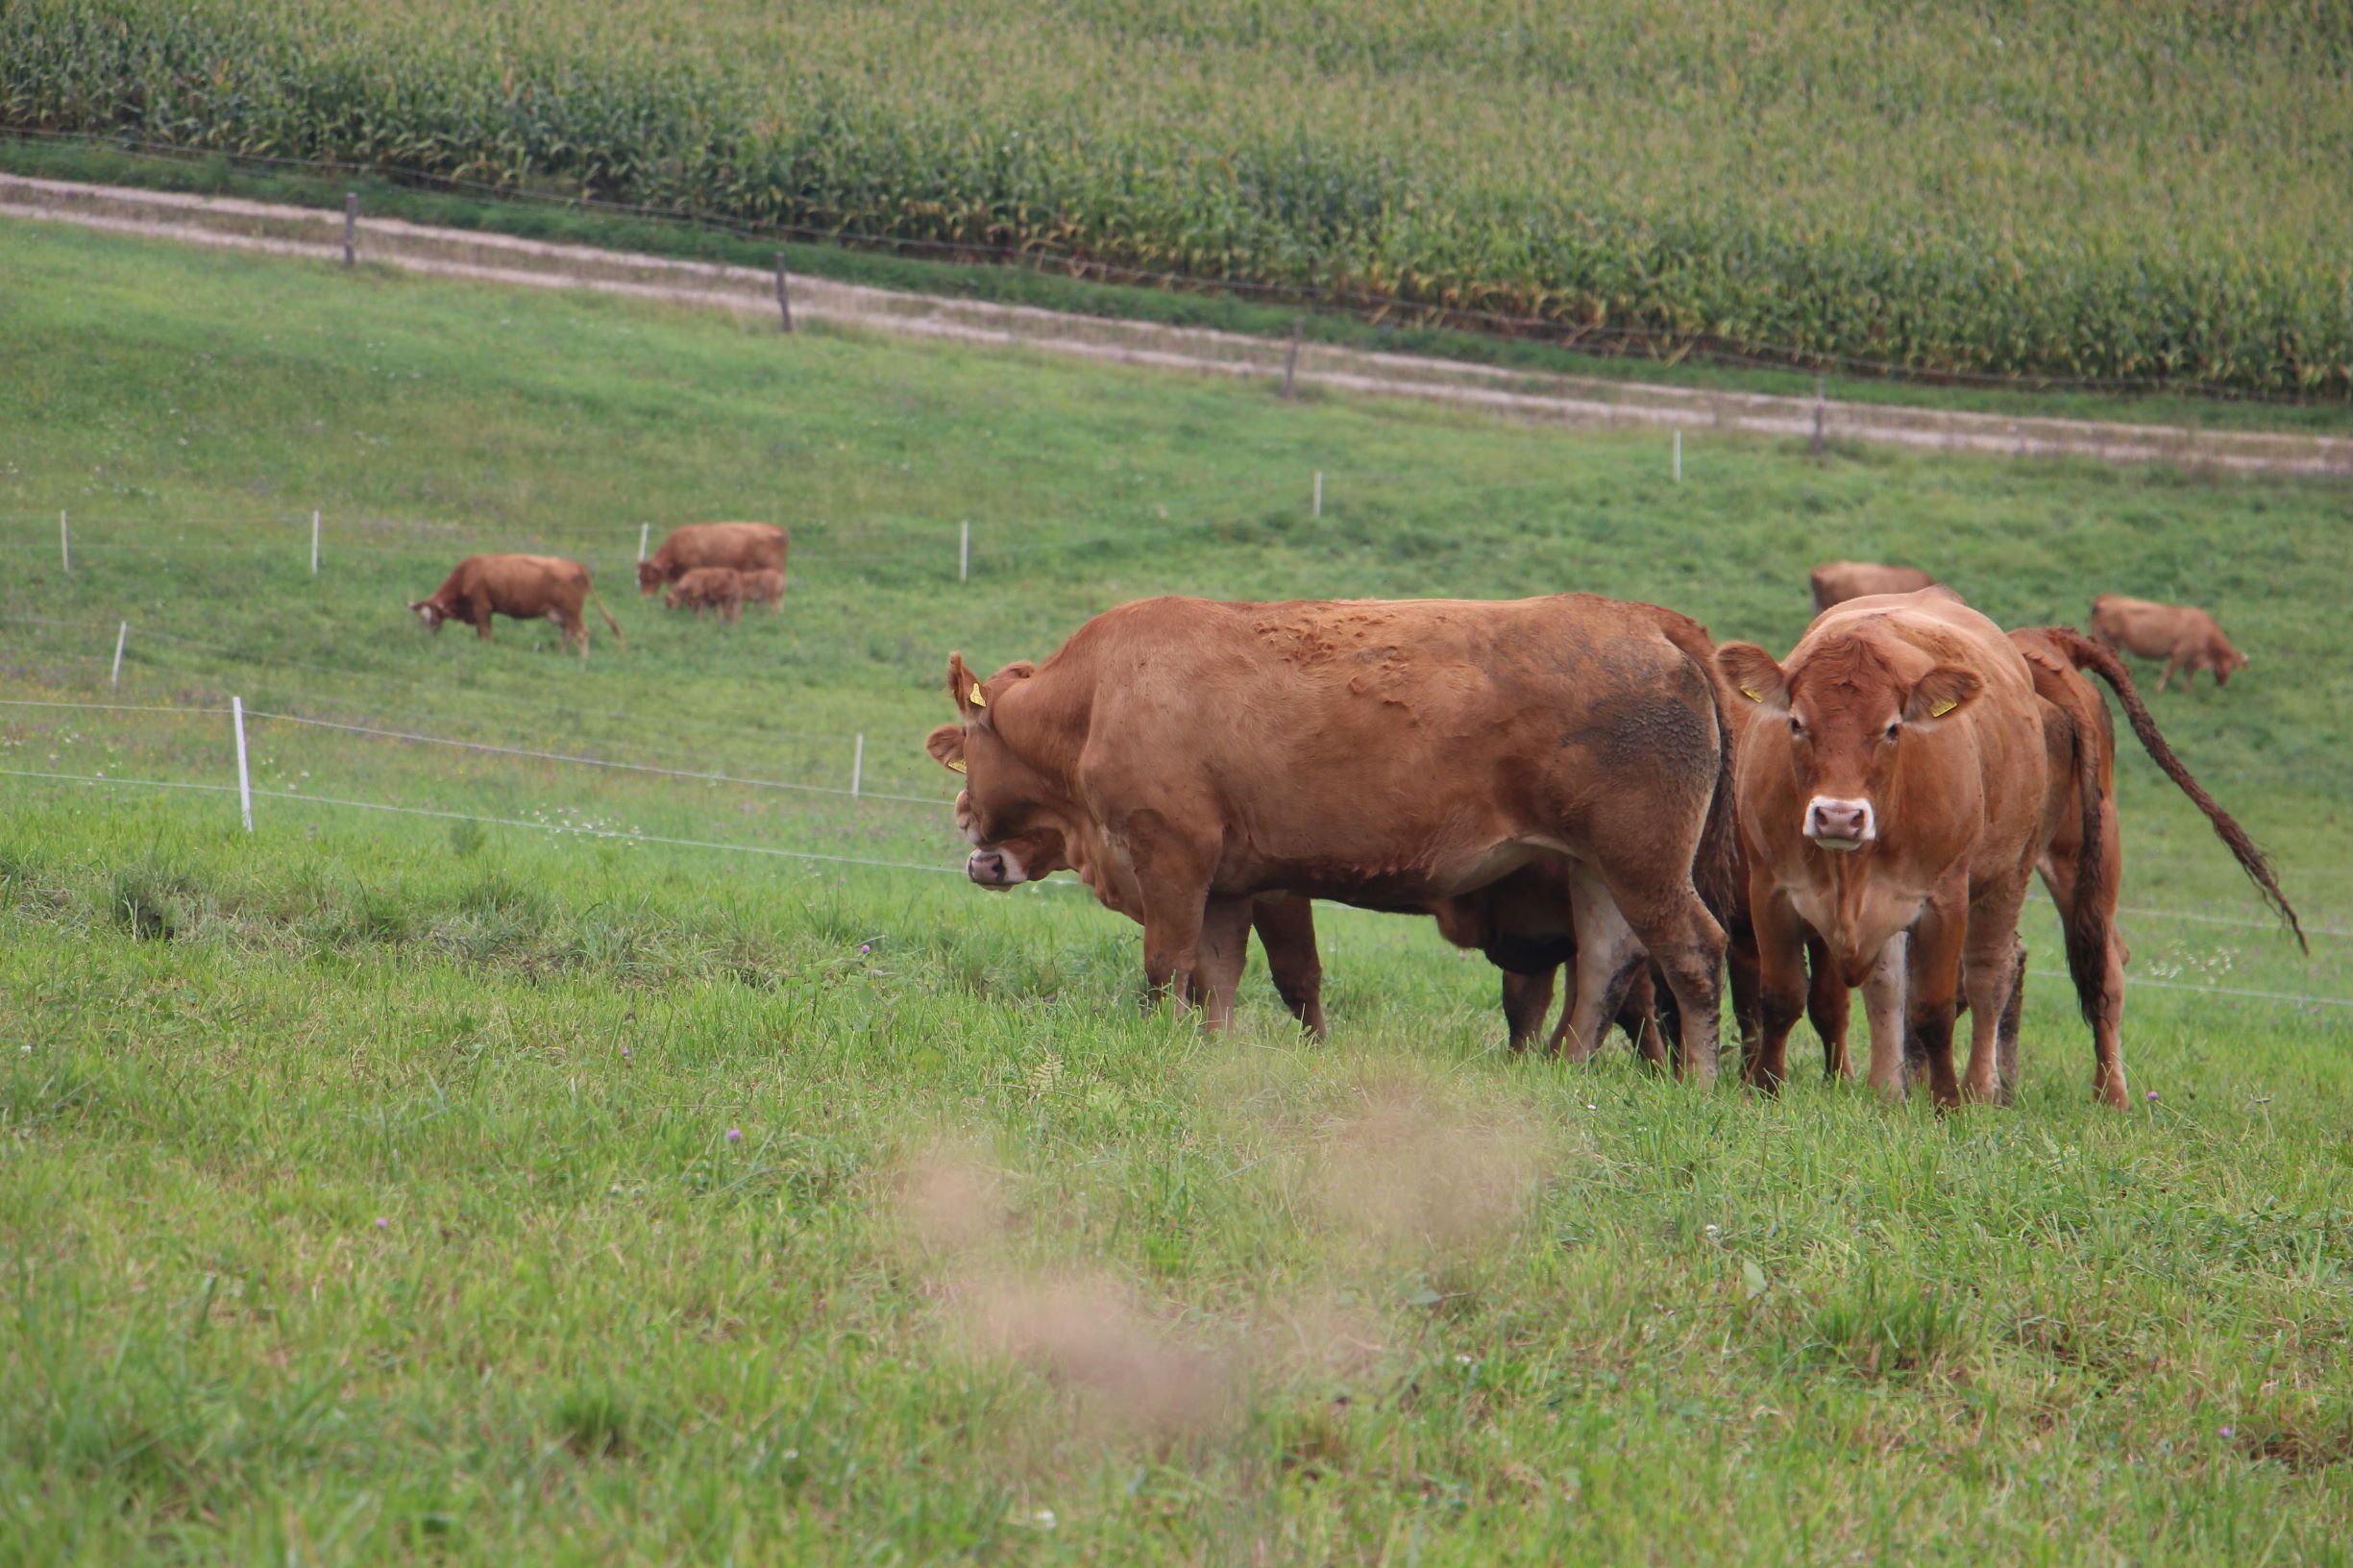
1840, 824
994, 869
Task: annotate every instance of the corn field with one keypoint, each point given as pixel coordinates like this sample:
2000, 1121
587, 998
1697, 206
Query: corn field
2055, 191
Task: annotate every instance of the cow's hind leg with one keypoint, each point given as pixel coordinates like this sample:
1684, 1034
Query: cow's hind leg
2005, 1035
1607, 954
1287, 930
1224, 949
1828, 1008
1883, 1018
1527, 1001
1687, 946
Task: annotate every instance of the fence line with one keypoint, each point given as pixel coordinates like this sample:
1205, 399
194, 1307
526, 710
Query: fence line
555, 829
104, 707
856, 791
598, 762
559, 831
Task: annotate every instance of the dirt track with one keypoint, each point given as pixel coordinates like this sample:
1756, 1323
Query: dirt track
309, 233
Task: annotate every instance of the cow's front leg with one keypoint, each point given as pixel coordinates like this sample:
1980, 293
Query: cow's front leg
1172, 879
1933, 992
1883, 1016
1527, 1001
1989, 973
1781, 979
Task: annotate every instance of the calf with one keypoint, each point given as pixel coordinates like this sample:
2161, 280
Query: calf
521, 588
1836, 582
765, 586
742, 547
708, 588
1387, 755
2187, 639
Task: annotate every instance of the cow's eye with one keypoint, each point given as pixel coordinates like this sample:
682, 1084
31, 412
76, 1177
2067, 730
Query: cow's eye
1797, 728
1893, 725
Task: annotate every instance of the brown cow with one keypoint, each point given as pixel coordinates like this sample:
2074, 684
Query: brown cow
1521, 924
2187, 639
521, 588
765, 586
1837, 582
718, 588
1894, 784
744, 547
1390, 754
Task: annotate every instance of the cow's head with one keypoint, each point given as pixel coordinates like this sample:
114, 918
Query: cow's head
1848, 714
430, 613
649, 579
2231, 659
1017, 820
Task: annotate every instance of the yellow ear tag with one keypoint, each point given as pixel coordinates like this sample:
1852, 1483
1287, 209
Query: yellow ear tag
956, 767
1751, 693
979, 699
1943, 708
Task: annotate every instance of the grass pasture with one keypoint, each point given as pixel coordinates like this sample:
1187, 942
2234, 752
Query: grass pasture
367, 1189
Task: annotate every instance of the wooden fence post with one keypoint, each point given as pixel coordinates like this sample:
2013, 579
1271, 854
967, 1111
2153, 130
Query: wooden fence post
1290, 364
351, 226
784, 299
1820, 382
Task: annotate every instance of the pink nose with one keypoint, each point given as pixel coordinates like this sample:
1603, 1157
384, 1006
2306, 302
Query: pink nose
1838, 819
986, 867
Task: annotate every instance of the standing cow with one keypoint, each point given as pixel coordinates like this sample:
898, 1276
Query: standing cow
521, 588
1906, 776
1387, 755
2187, 639
1834, 583
741, 547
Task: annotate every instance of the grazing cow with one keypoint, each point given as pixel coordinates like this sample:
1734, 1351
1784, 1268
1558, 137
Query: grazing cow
2187, 639
521, 588
1387, 755
1285, 926
765, 586
1837, 582
744, 547
718, 588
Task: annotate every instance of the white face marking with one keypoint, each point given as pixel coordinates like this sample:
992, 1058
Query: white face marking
1015, 870
1840, 824
428, 614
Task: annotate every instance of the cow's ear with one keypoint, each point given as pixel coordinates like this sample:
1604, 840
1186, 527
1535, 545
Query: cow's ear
947, 747
1753, 673
1939, 695
1018, 670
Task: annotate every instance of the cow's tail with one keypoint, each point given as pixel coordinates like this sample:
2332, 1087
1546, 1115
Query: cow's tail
2085, 924
2087, 654
1716, 871
619, 641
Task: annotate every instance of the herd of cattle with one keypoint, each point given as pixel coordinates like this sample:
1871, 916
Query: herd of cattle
714, 566
1579, 783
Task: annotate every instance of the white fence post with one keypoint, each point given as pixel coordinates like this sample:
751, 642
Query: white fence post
645, 531
857, 766
120, 637
964, 551
65, 550
245, 782
314, 544
1319, 492
1678, 456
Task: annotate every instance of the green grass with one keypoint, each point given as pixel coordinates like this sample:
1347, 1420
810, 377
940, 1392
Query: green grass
995, 1247
2065, 190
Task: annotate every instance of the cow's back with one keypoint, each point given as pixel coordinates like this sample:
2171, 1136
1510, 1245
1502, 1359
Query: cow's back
741, 547
1353, 741
1834, 583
